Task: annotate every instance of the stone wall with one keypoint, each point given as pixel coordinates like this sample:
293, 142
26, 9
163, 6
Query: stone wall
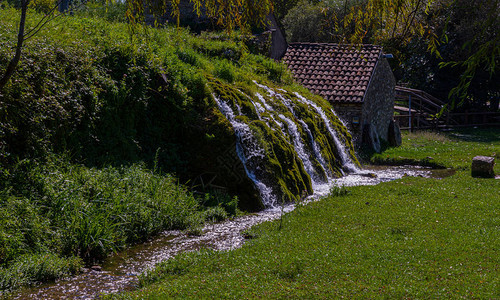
378, 105
350, 114
278, 44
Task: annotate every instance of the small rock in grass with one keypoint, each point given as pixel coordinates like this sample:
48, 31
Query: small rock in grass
482, 166
96, 268
369, 175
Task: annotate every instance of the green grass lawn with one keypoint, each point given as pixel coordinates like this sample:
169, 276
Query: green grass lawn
410, 238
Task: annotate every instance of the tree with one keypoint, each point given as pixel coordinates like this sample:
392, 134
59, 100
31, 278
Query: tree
24, 35
20, 40
467, 28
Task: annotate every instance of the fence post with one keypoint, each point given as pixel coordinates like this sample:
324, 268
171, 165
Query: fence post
409, 112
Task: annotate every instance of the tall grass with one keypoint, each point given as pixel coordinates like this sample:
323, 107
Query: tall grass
57, 208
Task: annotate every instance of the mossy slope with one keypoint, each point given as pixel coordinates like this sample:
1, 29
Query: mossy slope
92, 89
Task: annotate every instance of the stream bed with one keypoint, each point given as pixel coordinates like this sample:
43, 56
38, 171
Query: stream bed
119, 272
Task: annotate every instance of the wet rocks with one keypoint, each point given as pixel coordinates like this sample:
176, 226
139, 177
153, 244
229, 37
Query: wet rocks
369, 175
370, 138
96, 268
482, 166
394, 136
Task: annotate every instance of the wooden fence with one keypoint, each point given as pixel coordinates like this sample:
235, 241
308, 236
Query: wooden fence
416, 109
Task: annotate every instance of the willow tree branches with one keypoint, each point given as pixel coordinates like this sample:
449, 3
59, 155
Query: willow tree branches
229, 14
399, 22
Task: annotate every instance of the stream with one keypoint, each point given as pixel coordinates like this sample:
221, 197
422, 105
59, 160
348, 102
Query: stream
119, 272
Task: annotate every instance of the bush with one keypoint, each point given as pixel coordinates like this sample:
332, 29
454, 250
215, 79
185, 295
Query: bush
220, 199
110, 11
215, 214
338, 191
43, 6
88, 212
224, 70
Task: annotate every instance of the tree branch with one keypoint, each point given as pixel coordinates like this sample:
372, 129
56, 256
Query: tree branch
20, 39
46, 16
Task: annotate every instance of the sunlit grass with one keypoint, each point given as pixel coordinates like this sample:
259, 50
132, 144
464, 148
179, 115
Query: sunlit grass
410, 238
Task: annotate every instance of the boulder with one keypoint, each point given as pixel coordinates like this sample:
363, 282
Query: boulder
370, 138
394, 135
482, 166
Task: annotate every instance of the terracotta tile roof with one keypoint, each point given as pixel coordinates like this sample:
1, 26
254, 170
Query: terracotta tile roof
338, 73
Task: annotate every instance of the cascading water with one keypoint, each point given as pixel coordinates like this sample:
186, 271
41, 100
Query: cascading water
346, 160
248, 151
315, 148
299, 148
316, 152
281, 145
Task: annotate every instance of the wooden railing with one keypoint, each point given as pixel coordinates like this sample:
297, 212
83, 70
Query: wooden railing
416, 109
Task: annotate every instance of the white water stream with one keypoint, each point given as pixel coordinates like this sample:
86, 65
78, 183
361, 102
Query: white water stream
276, 112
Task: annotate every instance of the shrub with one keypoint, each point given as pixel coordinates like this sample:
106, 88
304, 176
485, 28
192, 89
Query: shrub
338, 191
43, 6
224, 70
215, 214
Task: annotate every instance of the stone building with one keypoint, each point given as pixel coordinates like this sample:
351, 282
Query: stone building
357, 81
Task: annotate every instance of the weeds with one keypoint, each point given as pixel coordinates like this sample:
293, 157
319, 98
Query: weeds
338, 191
29, 269
85, 212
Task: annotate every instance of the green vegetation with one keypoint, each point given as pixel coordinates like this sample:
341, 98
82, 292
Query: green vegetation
97, 116
410, 238
90, 88
430, 148
58, 210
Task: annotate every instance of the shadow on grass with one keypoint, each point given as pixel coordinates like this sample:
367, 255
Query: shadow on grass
483, 135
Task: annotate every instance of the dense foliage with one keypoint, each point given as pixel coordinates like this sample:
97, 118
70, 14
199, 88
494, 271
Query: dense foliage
53, 212
86, 87
228, 14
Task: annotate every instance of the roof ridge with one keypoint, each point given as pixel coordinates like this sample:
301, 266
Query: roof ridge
333, 44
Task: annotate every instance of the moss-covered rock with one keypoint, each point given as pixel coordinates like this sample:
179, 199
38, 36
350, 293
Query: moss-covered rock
286, 145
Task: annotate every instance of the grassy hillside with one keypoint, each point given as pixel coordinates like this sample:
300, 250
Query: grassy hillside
100, 123
107, 95
92, 123
410, 238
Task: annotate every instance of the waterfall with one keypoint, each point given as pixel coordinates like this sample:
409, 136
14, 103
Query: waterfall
299, 148
278, 142
315, 148
248, 151
346, 159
